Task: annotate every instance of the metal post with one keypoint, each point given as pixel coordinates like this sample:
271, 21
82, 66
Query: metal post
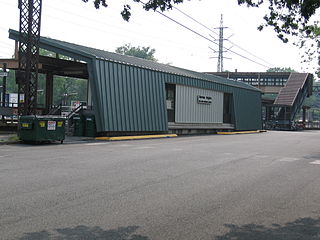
49, 91
4, 85
27, 77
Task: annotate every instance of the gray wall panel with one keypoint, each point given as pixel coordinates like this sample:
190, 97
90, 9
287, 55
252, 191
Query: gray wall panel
188, 110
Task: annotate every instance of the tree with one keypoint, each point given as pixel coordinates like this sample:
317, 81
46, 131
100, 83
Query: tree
140, 52
65, 89
281, 69
163, 5
287, 17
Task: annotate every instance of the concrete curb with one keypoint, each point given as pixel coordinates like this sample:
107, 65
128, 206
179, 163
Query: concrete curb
240, 132
121, 138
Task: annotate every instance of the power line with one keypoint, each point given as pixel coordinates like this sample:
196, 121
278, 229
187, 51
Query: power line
165, 15
176, 23
236, 45
5, 43
193, 19
204, 37
138, 34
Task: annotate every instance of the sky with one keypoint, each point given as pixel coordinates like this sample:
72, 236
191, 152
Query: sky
78, 22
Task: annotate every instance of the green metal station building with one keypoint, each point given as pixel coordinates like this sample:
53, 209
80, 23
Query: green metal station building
129, 95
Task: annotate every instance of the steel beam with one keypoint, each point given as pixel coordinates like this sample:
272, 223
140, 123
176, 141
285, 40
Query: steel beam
29, 37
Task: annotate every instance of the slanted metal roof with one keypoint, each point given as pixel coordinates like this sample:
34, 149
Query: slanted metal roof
87, 52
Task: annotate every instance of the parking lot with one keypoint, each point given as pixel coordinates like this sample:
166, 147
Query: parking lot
235, 187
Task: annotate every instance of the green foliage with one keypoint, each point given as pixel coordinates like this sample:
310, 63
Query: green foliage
287, 17
281, 69
140, 52
161, 5
12, 87
68, 89
47, 53
65, 89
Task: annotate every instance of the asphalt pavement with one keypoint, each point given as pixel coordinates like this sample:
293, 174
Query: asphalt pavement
261, 186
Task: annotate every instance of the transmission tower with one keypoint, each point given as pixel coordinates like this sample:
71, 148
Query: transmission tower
220, 55
29, 37
221, 47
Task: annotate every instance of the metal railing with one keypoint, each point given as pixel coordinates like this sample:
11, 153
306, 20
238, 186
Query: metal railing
312, 125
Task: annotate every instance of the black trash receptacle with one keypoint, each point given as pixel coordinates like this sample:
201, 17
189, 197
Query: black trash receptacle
79, 125
90, 129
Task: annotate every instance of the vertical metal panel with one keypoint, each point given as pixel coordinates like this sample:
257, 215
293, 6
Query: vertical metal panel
247, 110
145, 100
151, 87
117, 99
93, 71
134, 99
188, 110
129, 109
121, 108
138, 98
108, 94
152, 78
112, 112
103, 103
130, 98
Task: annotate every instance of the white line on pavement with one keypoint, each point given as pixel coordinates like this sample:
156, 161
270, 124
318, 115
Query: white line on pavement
317, 162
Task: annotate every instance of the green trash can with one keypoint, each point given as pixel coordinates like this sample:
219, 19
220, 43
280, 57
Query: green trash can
79, 125
90, 129
48, 128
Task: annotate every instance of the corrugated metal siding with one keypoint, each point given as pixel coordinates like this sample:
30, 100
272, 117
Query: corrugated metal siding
131, 99
247, 107
188, 110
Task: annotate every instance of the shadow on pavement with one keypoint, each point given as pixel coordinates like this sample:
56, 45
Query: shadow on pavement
86, 233
300, 229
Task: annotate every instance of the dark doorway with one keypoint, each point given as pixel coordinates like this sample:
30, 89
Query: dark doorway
170, 101
227, 108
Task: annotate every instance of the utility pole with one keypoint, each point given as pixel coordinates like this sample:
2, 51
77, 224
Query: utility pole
220, 44
4, 84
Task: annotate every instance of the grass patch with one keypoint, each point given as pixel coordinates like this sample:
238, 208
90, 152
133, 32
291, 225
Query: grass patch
13, 138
